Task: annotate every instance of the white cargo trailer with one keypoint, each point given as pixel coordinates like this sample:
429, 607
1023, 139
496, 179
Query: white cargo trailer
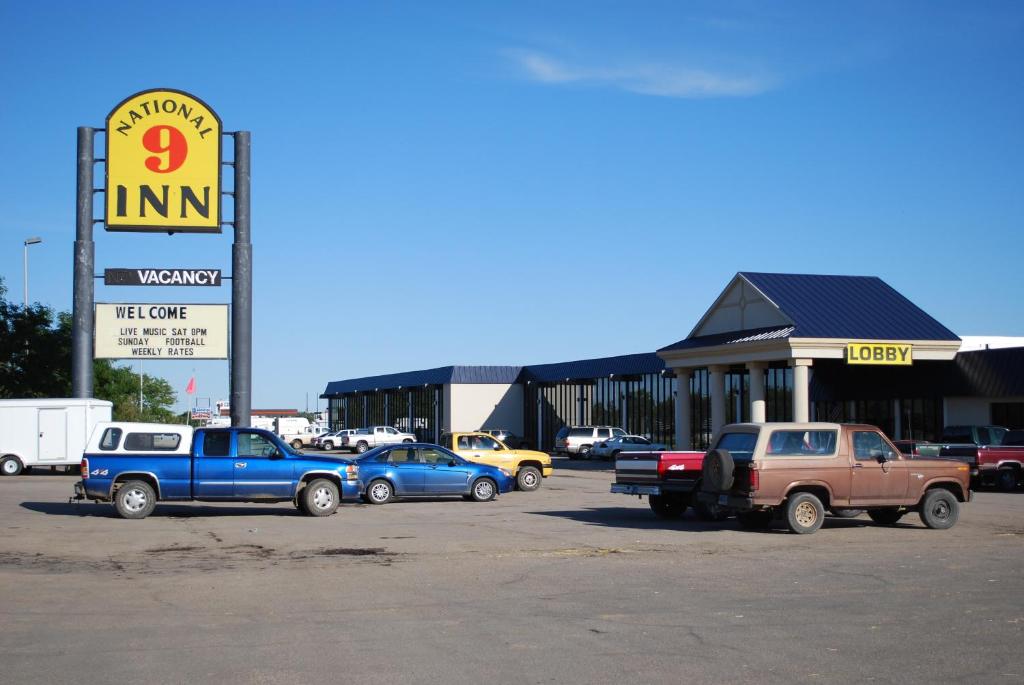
38, 432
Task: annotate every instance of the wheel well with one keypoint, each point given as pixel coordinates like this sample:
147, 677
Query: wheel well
954, 488
147, 478
536, 464
816, 490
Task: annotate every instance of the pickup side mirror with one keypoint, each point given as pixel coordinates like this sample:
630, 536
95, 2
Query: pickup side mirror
880, 457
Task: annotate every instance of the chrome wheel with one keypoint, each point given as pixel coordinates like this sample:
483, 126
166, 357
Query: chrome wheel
530, 479
484, 490
323, 498
380, 492
135, 500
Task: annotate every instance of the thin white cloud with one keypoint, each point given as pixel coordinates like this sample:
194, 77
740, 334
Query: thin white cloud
646, 79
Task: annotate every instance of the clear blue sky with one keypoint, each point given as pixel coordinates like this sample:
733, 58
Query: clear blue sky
529, 182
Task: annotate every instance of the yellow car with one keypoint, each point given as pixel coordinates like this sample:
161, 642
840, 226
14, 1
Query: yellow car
527, 466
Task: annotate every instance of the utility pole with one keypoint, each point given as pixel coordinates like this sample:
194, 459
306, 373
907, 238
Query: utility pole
28, 241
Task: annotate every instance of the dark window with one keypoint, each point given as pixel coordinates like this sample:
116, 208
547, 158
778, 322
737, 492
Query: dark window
740, 445
111, 439
216, 444
152, 442
960, 435
983, 436
1009, 414
868, 446
603, 433
581, 433
797, 443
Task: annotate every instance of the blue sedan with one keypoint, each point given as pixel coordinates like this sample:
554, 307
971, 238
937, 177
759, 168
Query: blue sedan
424, 470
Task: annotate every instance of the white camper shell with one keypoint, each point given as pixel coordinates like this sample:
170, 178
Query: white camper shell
38, 432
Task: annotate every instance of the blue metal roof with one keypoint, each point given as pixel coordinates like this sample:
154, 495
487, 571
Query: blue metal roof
851, 307
439, 376
843, 307
992, 373
623, 365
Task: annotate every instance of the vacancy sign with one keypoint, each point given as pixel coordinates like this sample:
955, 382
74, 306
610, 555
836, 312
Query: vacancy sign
161, 331
163, 164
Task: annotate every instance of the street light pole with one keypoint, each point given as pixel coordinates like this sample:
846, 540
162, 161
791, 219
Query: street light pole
29, 241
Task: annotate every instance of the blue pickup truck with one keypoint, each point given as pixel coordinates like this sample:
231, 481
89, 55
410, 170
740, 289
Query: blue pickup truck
133, 465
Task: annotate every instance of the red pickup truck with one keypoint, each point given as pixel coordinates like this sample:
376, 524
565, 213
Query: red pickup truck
992, 463
670, 480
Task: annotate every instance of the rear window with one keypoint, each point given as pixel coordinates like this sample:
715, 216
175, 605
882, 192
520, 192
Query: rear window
217, 444
740, 445
111, 439
801, 443
562, 432
152, 442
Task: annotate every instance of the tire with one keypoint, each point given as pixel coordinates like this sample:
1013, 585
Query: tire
754, 520
667, 507
320, 498
1006, 480
296, 444
135, 500
10, 466
328, 445
528, 479
584, 451
712, 513
886, 517
484, 490
939, 509
804, 513
379, 492
846, 513
717, 471
362, 446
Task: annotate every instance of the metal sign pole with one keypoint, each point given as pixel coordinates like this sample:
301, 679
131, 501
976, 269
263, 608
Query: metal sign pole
85, 257
241, 290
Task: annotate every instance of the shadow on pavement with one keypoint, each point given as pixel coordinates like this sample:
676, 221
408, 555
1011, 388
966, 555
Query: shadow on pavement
162, 510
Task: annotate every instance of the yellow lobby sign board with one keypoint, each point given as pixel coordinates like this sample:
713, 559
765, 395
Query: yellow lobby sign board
161, 331
879, 354
163, 164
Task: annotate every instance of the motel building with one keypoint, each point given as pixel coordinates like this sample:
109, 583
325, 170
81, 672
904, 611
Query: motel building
771, 347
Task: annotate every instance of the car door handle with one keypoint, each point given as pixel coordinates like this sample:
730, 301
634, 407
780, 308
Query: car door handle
858, 466
240, 464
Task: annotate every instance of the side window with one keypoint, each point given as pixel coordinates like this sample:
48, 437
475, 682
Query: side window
216, 444
641, 441
111, 439
433, 455
485, 443
603, 433
152, 442
868, 446
798, 443
463, 442
253, 445
391, 430
402, 455
984, 438
618, 431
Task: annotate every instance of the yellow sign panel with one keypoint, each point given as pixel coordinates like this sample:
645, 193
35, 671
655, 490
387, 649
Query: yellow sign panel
882, 354
161, 331
163, 164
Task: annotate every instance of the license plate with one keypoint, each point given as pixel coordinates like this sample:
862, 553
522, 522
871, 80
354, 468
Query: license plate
723, 500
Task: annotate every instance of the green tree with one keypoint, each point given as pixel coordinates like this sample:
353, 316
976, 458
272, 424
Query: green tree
35, 361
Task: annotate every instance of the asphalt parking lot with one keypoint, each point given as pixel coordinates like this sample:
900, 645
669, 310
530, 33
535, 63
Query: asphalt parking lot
569, 584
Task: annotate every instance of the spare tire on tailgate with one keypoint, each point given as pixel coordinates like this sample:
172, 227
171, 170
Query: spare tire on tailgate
717, 471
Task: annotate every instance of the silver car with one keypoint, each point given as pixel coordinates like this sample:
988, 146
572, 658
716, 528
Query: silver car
577, 441
625, 443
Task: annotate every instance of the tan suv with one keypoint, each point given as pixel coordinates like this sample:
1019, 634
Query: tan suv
795, 471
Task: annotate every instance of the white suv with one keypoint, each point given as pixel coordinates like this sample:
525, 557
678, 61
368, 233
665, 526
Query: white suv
577, 441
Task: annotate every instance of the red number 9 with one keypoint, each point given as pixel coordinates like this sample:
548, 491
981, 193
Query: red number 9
170, 144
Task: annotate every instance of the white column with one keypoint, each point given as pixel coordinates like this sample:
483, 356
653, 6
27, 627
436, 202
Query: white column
801, 381
716, 379
757, 405
684, 438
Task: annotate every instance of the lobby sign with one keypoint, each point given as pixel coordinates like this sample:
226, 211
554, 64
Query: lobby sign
163, 164
879, 354
161, 331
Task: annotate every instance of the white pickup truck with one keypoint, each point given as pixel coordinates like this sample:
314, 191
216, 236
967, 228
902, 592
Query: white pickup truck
365, 438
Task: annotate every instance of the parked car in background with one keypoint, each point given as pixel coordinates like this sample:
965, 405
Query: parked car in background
918, 448
796, 471
625, 443
329, 441
424, 470
577, 441
510, 439
133, 465
364, 439
670, 480
526, 466
992, 462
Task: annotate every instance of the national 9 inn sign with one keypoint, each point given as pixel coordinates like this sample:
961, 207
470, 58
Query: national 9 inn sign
163, 164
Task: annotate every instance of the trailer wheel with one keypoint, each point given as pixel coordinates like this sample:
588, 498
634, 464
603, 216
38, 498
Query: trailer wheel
135, 500
10, 465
